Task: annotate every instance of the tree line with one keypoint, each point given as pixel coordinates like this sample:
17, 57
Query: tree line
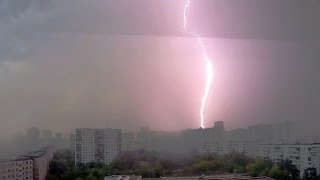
153, 165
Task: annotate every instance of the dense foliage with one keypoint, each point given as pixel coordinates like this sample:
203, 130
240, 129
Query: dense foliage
154, 165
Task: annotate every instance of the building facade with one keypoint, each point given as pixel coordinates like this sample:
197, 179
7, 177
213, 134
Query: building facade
19, 169
31, 166
302, 155
40, 161
97, 145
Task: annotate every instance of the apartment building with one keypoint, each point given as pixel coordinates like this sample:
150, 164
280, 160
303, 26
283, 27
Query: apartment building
302, 155
40, 161
236, 147
97, 145
30, 166
19, 169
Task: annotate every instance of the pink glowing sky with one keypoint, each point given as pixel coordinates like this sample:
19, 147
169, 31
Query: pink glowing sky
122, 65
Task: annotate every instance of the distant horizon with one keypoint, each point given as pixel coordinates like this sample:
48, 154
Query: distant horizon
150, 128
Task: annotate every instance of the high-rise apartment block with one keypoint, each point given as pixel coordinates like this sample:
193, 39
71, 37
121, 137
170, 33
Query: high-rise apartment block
97, 145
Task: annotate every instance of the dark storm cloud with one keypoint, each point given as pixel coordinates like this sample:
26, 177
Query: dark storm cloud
14, 9
16, 19
261, 19
243, 19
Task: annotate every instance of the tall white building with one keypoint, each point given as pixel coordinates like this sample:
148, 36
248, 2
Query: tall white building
97, 145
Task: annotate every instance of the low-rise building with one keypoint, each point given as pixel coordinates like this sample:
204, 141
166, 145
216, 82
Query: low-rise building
40, 161
19, 169
30, 166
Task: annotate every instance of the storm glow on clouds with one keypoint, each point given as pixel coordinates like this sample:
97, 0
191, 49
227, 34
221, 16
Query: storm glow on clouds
68, 64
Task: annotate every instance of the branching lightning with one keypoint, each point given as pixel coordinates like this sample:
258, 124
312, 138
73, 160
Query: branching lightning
208, 64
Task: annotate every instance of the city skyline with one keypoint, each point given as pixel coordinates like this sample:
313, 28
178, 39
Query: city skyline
276, 142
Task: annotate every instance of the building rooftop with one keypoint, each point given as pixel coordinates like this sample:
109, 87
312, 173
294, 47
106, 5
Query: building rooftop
6, 160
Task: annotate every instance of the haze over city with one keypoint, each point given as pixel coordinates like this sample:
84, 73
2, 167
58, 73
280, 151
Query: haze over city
135, 89
69, 64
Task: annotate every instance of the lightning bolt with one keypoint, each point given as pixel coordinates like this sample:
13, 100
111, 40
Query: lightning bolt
208, 64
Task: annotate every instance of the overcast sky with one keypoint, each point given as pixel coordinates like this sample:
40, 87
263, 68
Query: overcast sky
126, 64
